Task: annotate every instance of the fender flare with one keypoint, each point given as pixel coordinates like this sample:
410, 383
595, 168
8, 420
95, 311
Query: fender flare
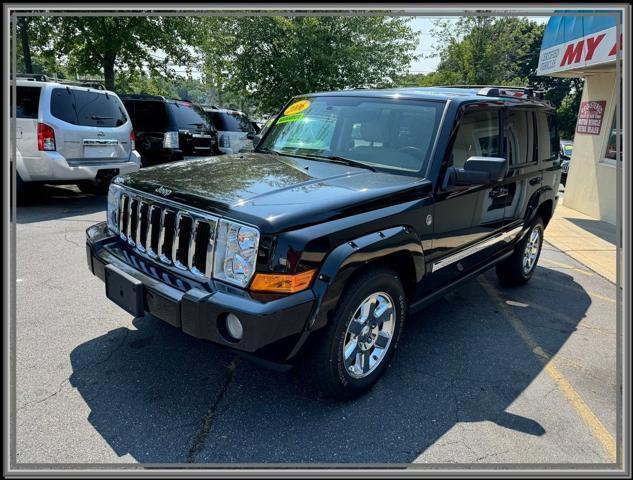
342, 262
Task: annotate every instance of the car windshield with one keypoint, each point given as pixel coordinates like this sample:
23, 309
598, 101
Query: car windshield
394, 134
567, 150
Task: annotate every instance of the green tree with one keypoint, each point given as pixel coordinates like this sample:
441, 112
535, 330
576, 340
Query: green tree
266, 60
107, 45
498, 51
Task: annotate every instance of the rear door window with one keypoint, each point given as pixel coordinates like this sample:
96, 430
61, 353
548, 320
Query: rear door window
88, 108
28, 101
519, 136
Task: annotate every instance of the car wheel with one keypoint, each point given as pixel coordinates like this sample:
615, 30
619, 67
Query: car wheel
521, 265
354, 350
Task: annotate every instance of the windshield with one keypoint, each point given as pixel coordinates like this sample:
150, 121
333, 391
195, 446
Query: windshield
386, 133
567, 150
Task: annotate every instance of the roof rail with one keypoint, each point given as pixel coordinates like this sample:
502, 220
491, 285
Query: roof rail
35, 77
142, 95
40, 77
502, 91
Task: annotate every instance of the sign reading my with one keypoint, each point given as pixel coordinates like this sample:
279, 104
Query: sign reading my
590, 117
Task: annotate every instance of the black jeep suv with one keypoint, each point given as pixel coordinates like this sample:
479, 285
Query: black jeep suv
168, 129
354, 209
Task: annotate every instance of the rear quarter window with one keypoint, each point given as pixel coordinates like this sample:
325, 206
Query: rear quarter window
89, 108
27, 102
548, 140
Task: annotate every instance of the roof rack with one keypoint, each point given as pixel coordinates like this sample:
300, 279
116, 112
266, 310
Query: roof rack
147, 96
40, 77
503, 91
34, 77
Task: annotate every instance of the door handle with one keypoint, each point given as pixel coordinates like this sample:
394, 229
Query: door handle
535, 180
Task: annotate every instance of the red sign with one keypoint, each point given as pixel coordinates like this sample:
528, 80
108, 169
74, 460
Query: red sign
590, 117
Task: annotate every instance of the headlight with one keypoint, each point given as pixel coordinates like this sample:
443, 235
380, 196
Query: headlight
235, 253
114, 197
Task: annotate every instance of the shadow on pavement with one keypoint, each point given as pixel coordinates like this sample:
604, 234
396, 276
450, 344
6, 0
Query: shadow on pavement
163, 397
605, 231
51, 202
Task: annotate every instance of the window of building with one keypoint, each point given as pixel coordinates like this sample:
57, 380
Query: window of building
612, 151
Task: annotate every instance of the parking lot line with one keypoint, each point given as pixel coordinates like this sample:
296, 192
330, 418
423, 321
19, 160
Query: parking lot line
596, 427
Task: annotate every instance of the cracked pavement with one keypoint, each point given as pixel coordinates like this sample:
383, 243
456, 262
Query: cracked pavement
95, 385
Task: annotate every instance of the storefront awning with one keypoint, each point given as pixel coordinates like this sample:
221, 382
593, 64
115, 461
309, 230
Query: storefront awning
577, 42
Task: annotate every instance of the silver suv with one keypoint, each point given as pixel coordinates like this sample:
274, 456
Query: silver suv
71, 134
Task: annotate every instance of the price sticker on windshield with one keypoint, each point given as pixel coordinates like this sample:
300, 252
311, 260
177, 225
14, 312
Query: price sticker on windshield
297, 107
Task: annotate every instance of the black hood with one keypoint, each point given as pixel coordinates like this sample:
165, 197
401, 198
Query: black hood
273, 192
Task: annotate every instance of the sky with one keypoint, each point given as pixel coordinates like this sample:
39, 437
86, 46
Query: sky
427, 43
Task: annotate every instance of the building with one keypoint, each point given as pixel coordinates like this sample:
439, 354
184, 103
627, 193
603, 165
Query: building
585, 46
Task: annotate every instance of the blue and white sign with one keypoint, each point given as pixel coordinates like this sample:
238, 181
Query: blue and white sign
574, 42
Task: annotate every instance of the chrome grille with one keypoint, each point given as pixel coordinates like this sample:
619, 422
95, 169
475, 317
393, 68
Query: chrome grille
163, 231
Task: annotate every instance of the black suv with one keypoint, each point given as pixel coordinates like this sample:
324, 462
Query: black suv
168, 129
355, 208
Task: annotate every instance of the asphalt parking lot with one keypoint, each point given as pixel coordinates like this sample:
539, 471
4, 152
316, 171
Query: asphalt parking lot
485, 375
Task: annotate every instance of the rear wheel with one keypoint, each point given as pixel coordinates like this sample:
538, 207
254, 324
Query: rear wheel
521, 265
354, 350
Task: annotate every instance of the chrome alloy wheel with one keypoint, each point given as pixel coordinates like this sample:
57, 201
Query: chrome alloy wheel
530, 253
369, 335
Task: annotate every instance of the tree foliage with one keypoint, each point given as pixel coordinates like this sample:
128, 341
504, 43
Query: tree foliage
498, 51
106, 45
269, 59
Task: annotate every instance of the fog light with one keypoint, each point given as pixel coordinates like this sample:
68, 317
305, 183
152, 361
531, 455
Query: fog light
234, 326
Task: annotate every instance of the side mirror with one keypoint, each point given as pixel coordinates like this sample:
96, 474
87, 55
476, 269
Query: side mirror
477, 171
256, 140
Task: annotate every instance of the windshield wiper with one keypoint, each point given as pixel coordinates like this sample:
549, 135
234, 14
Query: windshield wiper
268, 150
99, 117
339, 159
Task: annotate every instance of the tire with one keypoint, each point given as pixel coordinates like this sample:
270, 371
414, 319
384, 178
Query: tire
340, 379
521, 265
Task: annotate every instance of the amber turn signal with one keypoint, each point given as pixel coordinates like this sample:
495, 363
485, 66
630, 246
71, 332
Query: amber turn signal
274, 283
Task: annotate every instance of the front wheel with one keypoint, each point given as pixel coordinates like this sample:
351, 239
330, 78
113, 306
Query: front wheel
356, 347
520, 266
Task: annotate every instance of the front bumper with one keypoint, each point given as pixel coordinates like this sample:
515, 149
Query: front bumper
273, 326
52, 166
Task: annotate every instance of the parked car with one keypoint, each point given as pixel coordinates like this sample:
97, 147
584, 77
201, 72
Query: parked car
249, 147
235, 129
356, 208
70, 134
168, 129
566, 147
